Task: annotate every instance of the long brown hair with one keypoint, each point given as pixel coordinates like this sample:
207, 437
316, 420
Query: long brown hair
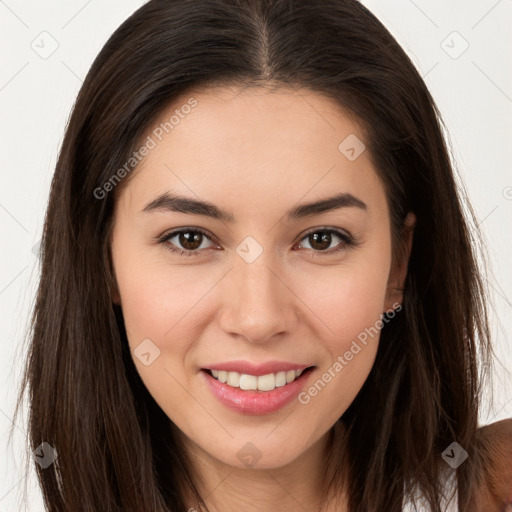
116, 448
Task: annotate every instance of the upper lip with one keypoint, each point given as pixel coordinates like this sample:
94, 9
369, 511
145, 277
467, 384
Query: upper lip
255, 369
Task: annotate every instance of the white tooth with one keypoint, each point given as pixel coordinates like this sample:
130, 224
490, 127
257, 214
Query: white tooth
233, 379
280, 379
251, 382
266, 382
290, 376
248, 382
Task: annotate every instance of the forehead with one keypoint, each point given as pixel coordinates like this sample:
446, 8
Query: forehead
255, 145
241, 119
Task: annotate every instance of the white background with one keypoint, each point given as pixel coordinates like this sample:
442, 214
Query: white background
473, 92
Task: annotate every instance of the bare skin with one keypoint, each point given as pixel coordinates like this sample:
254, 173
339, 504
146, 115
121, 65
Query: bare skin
257, 155
495, 493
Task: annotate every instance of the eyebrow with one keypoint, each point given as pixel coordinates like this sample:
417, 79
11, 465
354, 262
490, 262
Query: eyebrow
183, 204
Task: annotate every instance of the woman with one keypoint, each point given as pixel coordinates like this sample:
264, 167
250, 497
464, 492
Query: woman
258, 290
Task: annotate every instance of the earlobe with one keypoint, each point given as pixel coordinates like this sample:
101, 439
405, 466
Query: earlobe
114, 291
408, 230
396, 281
112, 283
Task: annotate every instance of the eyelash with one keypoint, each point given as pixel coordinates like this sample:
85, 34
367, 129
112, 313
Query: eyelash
348, 241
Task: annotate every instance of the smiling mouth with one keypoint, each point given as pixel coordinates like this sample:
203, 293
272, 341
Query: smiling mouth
262, 383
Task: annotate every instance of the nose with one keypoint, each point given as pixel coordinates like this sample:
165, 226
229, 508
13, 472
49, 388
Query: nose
258, 302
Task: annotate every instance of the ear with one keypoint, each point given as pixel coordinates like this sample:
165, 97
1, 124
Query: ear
112, 282
398, 273
114, 291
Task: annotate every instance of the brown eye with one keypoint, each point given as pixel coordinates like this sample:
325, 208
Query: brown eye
187, 242
190, 240
321, 241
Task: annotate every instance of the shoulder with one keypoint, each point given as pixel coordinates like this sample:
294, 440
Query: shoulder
496, 441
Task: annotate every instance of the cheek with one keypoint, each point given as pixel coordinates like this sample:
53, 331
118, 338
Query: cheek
346, 304
345, 298
160, 304
163, 306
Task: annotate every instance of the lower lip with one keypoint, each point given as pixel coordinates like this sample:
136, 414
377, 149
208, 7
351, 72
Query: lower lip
256, 402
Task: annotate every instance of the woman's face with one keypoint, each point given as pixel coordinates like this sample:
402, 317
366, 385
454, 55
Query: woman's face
272, 281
